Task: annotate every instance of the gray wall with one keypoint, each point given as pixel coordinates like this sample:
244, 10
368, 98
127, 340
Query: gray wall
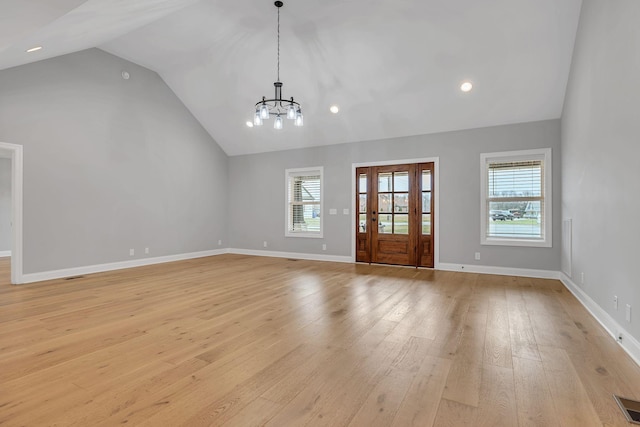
109, 164
600, 152
257, 198
5, 204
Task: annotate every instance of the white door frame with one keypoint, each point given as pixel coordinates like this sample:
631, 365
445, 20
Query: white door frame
436, 200
14, 152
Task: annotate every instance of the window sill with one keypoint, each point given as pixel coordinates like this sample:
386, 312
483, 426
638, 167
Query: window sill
497, 241
307, 235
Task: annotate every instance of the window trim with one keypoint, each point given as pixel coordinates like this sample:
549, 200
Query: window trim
288, 174
543, 154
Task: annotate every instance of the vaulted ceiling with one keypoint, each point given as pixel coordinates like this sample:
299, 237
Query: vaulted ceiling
393, 67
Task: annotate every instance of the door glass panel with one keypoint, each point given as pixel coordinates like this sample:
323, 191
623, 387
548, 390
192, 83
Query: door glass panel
384, 181
426, 202
362, 185
426, 223
426, 180
401, 224
401, 202
384, 202
362, 208
362, 223
385, 224
401, 181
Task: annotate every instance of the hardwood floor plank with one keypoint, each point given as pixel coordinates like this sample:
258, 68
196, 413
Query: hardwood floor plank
317, 399
523, 341
257, 413
420, 404
231, 404
382, 403
465, 375
572, 404
497, 346
497, 405
534, 403
454, 414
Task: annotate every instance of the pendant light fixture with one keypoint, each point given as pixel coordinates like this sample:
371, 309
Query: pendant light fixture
277, 107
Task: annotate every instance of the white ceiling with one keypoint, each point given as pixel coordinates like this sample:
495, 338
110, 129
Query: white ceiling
393, 67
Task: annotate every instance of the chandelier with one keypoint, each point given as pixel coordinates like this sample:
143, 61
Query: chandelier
278, 107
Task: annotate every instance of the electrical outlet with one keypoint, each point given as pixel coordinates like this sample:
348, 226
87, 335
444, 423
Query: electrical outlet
324, 247
264, 244
582, 278
132, 252
628, 313
615, 302
219, 242
345, 211
146, 250
477, 256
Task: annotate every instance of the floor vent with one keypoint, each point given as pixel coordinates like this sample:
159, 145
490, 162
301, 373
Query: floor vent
74, 278
630, 408
291, 259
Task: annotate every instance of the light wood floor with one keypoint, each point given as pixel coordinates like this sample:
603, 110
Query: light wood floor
243, 341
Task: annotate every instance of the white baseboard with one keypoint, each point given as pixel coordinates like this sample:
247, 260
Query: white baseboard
296, 255
5, 254
78, 271
628, 342
502, 271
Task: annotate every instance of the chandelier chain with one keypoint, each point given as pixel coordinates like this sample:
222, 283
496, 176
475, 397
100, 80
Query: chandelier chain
278, 44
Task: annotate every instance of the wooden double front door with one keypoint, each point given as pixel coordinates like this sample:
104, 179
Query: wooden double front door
395, 214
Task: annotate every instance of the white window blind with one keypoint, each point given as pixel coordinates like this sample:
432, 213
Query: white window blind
516, 187
304, 202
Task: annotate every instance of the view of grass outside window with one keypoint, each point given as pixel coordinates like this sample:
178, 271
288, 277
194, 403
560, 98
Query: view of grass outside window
514, 197
304, 202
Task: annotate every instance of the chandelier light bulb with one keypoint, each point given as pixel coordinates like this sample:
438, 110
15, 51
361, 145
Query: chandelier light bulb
299, 119
291, 112
278, 123
257, 120
264, 111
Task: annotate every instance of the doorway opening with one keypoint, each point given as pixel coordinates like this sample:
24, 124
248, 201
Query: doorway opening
14, 153
395, 214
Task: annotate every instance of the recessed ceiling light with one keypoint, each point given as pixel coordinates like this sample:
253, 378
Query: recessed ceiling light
249, 124
34, 49
466, 86
334, 109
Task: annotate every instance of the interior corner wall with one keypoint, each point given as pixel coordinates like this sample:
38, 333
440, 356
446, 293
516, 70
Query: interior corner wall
600, 152
5, 205
257, 201
109, 164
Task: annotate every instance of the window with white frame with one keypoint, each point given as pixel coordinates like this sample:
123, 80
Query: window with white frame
516, 198
304, 202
